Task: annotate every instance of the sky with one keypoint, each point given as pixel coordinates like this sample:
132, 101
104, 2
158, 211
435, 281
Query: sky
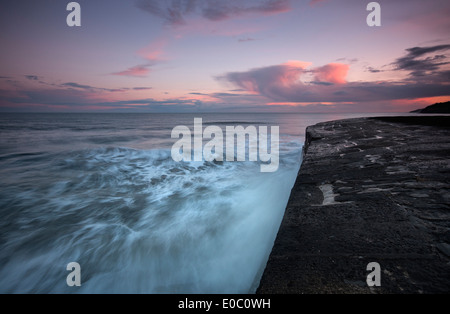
299, 56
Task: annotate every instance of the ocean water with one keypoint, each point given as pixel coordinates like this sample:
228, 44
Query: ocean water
102, 190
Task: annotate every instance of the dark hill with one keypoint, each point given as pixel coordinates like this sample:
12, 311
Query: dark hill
443, 107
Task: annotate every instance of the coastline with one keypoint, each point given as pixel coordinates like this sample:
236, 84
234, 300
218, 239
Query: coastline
369, 190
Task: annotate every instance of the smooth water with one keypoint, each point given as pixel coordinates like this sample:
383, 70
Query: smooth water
102, 190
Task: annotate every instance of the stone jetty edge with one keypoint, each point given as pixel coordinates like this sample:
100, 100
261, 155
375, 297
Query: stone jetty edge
369, 190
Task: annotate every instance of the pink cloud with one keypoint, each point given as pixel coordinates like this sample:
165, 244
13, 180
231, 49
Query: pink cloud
137, 71
291, 71
335, 73
268, 80
298, 64
154, 52
271, 80
283, 83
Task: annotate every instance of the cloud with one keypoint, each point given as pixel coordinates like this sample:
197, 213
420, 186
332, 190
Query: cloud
429, 76
420, 63
321, 83
142, 88
136, 71
69, 97
22, 96
373, 70
293, 85
175, 12
273, 80
152, 54
154, 51
47, 97
334, 73
283, 83
32, 77
93, 89
268, 81
75, 85
82, 97
230, 95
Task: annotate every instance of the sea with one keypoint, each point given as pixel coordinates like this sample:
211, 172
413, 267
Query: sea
102, 190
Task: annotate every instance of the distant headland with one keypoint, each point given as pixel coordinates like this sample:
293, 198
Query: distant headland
443, 107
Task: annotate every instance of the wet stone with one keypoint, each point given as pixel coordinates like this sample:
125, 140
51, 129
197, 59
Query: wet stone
369, 190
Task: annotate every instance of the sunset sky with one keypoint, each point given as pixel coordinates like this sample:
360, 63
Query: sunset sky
223, 56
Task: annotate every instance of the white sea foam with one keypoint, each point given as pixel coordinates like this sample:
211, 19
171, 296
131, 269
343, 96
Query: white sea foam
136, 221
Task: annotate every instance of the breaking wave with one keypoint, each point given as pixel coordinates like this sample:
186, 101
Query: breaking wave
138, 222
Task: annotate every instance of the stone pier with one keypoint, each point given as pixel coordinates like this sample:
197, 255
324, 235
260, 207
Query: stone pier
369, 190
